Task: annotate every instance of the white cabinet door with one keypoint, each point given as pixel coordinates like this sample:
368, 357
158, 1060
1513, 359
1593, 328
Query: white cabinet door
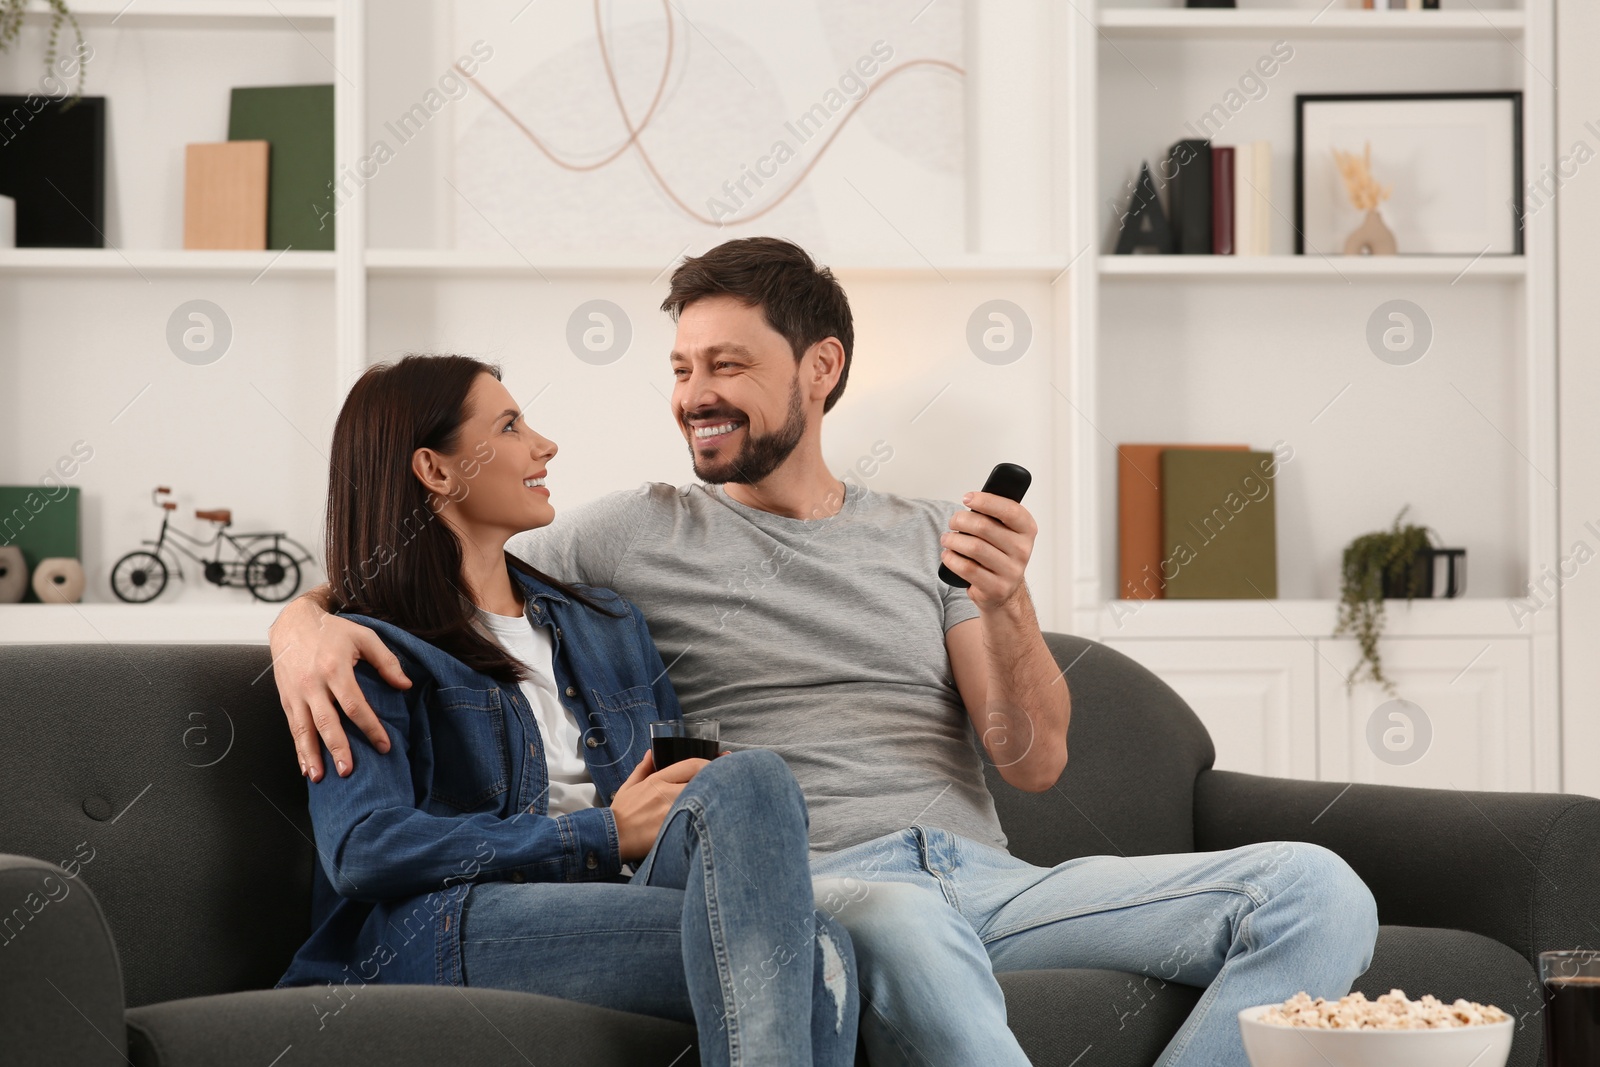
1257, 698
1460, 718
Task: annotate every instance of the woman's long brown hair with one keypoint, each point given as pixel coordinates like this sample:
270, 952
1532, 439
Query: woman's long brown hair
389, 555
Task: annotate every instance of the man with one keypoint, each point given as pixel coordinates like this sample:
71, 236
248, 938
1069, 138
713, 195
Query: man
805, 614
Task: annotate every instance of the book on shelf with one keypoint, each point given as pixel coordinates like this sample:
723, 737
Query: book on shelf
1219, 524
1243, 211
1139, 530
1189, 196
1261, 213
297, 120
1222, 235
1252, 198
225, 195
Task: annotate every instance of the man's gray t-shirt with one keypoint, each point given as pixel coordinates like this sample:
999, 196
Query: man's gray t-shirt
820, 639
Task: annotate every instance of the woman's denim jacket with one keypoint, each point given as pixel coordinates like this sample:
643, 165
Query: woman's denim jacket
462, 795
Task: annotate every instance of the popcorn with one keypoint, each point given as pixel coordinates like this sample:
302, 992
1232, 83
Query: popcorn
1392, 1011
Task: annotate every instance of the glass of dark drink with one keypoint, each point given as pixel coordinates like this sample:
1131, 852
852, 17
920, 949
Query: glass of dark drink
677, 739
1571, 1007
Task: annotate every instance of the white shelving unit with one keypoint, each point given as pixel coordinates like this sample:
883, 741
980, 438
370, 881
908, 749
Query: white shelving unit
1310, 24
1253, 349
184, 13
1485, 617
34, 261
250, 431
1449, 269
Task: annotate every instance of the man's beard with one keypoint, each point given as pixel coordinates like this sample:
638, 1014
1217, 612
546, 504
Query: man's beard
759, 456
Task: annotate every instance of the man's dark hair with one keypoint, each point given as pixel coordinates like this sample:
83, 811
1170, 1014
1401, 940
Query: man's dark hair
801, 301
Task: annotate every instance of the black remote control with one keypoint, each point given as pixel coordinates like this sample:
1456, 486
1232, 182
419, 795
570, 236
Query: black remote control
1007, 480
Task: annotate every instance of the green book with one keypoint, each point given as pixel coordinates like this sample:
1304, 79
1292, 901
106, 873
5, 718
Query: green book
1219, 524
297, 120
42, 521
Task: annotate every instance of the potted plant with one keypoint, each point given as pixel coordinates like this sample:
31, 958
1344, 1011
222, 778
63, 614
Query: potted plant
11, 16
1387, 563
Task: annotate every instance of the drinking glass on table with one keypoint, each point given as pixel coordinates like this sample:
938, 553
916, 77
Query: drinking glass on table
678, 739
1571, 982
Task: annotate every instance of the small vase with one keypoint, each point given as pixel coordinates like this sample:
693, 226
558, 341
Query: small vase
1371, 238
58, 580
13, 575
1423, 570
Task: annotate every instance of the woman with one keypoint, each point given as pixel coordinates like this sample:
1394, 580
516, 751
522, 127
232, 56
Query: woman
491, 848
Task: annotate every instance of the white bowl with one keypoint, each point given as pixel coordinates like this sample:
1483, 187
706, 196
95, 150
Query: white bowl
1269, 1045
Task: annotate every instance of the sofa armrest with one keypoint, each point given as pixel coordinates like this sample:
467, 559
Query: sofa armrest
60, 979
1522, 868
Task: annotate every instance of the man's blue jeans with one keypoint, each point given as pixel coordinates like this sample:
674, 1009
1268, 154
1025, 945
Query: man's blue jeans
933, 916
717, 926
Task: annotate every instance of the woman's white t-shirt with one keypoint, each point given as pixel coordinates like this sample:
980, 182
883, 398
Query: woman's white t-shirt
571, 787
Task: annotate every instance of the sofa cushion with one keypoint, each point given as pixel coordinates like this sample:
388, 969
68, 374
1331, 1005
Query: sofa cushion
400, 1025
1090, 1018
1455, 963
1093, 1018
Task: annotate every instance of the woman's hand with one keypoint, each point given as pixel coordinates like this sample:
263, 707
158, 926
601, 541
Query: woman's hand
313, 662
641, 805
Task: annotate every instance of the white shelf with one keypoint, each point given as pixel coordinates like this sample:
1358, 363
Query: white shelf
180, 13
1303, 619
1293, 268
446, 262
138, 262
1384, 25
245, 623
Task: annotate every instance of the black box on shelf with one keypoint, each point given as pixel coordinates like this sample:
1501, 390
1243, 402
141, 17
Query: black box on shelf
53, 163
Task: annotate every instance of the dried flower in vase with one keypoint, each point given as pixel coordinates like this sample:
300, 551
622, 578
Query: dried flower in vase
1372, 237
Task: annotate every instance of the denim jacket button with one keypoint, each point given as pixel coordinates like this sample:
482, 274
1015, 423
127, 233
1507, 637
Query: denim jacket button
591, 742
592, 862
572, 691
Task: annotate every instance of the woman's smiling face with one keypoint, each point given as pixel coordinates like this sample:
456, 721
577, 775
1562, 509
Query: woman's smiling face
499, 467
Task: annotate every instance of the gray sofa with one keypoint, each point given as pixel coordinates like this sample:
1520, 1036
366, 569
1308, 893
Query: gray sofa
163, 778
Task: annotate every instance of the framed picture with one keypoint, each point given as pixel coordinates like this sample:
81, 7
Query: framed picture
1452, 163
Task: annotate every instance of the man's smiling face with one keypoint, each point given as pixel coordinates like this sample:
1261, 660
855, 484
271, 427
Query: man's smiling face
736, 392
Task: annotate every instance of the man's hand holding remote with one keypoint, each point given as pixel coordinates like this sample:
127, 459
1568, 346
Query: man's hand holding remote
989, 546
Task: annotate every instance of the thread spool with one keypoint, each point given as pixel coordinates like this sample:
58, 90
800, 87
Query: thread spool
13, 575
58, 580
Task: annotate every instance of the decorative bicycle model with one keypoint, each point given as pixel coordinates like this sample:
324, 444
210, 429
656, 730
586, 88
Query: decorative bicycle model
267, 564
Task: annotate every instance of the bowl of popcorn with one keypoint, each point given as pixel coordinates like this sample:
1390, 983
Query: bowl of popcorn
1356, 1032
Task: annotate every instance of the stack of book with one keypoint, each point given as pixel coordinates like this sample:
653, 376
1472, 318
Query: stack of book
1196, 521
1220, 198
271, 184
